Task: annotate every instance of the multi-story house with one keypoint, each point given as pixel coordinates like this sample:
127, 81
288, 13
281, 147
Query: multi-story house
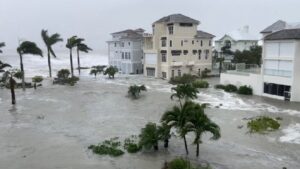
176, 47
125, 51
280, 71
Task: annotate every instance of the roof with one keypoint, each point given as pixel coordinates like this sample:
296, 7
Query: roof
241, 35
202, 34
129, 33
279, 25
284, 34
177, 18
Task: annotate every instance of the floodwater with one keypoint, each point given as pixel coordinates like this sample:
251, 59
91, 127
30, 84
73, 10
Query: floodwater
51, 127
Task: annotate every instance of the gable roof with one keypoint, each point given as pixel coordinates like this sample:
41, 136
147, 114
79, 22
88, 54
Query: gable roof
279, 25
284, 34
177, 18
129, 33
240, 35
202, 34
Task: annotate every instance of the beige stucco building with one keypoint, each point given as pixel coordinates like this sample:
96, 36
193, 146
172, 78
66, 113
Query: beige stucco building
176, 47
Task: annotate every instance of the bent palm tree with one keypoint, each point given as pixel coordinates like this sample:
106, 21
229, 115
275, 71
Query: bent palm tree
97, 70
2, 44
49, 42
184, 92
3, 66
71, 43
27, 47
149, 136
199, 123
111, 71
81, 47
177, 118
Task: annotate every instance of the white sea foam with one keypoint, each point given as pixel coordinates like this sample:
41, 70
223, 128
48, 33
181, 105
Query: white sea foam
291, 134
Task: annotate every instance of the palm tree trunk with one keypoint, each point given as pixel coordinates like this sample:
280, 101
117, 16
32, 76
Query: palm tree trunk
185, 145
78, 61
71, 62
49, 64
197, 152
12, 90
22, 70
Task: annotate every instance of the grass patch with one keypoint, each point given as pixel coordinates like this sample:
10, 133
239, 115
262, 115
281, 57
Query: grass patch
263, 125
108, 147
180, 163
131, 144
245, 90
200, 84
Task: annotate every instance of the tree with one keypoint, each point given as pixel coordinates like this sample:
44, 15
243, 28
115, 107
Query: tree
3, 66
111, 71
134, 91
2, 44
71, 43
177, 118
199, 123
27, 47
81, 47
37, 79
97, 70
184, 92
149, 136
164, 134
49, 42
251, 56
9, 77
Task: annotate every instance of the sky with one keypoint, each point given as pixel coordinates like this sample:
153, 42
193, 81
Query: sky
94, 20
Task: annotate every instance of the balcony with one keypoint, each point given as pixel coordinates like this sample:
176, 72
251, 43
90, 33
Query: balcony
177, 64
281, 73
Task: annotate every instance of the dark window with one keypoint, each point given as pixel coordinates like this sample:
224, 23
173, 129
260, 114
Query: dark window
276, 89
195, 52
128, 43
115, 44
176, 52
179, 72
206, 54
122, 55
171, 29
186, 24
163, 57
150, 71
181, 42
201, 43
164, 74
173, 74
128, 55
163, 41
192, 42
199, 54
185, 52
199, 72
171, 43
209, 42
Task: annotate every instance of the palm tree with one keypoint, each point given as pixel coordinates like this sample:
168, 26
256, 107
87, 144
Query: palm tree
199, 123
134, 91
164, 134
49, 42
177, 118
9, 77
71, 43
81, 47
2, 44
97, 70
27, 47
111, 71
149, 136
184, 92
3, 66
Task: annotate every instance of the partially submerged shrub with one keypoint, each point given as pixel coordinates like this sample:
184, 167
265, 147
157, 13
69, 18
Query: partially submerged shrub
245, 90
108, 147
131, 144
180, 163
63, 77
36, 80
262, 125
63, 74
228, 88
220, 86
134, 91
184, 79
200, 84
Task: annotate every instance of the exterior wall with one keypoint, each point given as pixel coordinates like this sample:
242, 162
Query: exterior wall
127, 66
249, 79
189, 63
296, 74
240, 45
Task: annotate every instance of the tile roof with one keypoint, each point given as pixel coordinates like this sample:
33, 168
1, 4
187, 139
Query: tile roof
284, 34
279, 25
177, 18
202, 34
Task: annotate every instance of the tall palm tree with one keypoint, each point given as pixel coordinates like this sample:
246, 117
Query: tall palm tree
71, 43
177, 118
184, 92
199, 123
81, 47
149, 136
27, 47
2, 44
49, 42
3, 66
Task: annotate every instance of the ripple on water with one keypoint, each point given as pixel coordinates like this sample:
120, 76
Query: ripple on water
291, 134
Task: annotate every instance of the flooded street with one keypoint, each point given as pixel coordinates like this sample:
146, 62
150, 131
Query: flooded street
52, 127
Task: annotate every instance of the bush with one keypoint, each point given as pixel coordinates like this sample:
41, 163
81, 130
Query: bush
262, 125
131, 144
63, 74
108, 147
37, 79
186, 78
220, 86
230, 88
180, 163
245, 90
63, 77
200, 84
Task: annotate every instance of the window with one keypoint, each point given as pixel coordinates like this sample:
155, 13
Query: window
199, 72
276, 89
185, 52
163, 41
171, 43
128, 55
192, 42
179, 72
163, 57
186, 24
206, 54
199, 54
173, 74
125, 55
128, 43
209, 42
171, 29
201, 43
122, 55
115, 44
164, 74
150, 71
181, 42
176, 52
228, 43
195, 52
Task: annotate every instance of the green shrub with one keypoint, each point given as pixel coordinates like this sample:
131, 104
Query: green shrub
37, 79
220, 86
63, 74
131, 144
230, 88
108, 147
184, 79
180, 163
245, 90
63, 77
200, 84
262, 125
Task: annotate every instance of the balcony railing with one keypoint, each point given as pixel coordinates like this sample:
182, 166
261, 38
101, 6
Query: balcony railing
274, 72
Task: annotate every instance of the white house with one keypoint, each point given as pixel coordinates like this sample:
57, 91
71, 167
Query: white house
280, 74
125, 51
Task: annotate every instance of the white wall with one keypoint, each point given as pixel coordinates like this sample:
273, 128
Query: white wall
253, 80
151, 58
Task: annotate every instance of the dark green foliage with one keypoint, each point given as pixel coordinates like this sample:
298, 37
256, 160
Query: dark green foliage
28, 47
228, 88
63, 77
180, 163
131, 144
252, 56
184, 91
37, 79
63, 73
149, 136
200, 84
220, 86
97, 70
2, 44
204, 73
18, 74
245, 90
185, 79
3, 66
111, 71
134, 91
108, 147
263, 125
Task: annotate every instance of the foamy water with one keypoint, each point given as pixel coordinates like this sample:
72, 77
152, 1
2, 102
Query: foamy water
291, 134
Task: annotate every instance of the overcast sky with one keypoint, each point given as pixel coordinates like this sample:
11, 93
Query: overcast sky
94, 20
